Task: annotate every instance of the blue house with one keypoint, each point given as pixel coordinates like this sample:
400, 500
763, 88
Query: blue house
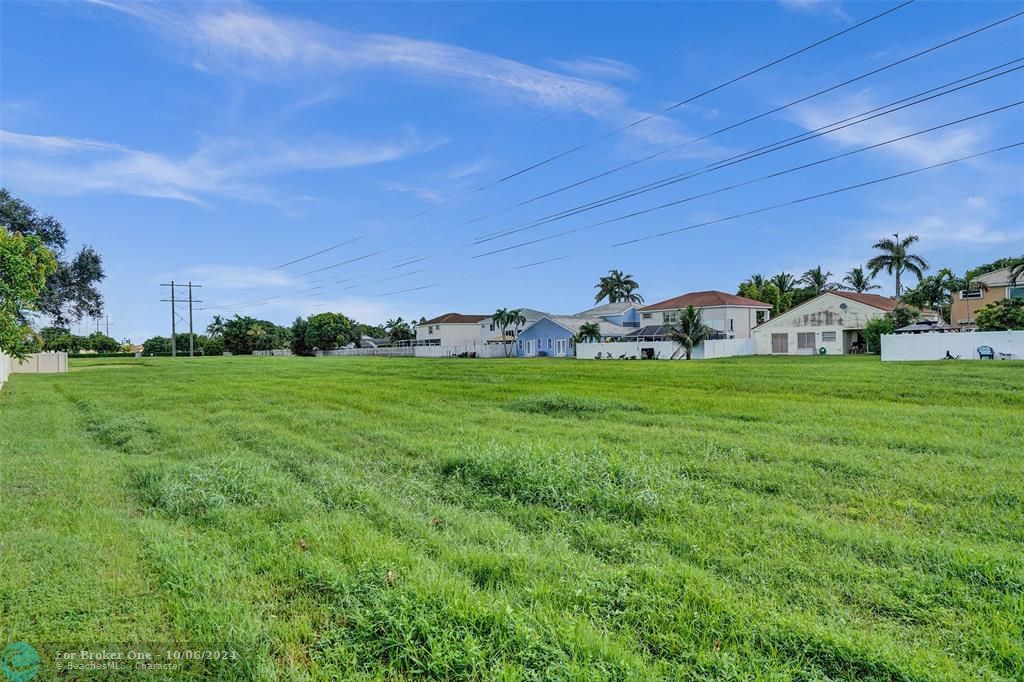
554, 335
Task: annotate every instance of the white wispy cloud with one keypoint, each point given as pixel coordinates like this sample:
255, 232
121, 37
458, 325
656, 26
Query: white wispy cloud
926, 149
831, 7
223, 167
239, 277
945, 220
427, 194
242, 38
598, 68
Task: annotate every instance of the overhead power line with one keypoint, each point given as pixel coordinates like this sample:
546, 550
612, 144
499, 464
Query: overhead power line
749, 182
751, 119
736, 216
676, 105
806, 136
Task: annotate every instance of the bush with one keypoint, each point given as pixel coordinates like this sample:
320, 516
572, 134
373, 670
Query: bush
213, 347
1001, 316
873, 331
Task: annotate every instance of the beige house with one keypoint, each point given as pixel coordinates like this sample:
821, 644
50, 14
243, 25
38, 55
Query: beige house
450, 329
732, 316
966, 304
833, 320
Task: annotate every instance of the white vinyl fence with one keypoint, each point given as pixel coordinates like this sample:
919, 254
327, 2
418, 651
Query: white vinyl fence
5, 369
491, 350
664, 350
402, 351
280, 352
37, 363
933, 346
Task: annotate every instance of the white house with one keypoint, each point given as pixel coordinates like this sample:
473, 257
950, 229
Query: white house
450, 329
832, 320
732, 316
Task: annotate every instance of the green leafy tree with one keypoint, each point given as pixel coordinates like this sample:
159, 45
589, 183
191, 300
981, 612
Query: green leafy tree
243, 334
57, 338
999, 264
71, 287
589, 332
689, 330
25, 265
895, 259
101, 343
873, 331
857, 279
156, 344
213, 345
298, 344
617, 287
1002, 315
328, 331
766, 292
903, 315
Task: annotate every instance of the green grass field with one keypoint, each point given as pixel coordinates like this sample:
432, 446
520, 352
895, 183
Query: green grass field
364, 518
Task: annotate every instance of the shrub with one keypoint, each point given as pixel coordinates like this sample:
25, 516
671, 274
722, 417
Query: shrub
1001, 316
873, 331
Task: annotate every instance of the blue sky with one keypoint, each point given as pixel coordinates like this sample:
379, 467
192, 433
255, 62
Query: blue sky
215, 141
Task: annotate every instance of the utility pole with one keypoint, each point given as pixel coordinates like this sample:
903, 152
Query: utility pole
108, 325
173, 300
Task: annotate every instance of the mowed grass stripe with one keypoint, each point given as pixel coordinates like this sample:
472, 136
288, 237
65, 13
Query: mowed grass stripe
804, 518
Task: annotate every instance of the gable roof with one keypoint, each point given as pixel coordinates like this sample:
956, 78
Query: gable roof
608, 309
454, 318
572, 324
997, 278
874, 300
705, 299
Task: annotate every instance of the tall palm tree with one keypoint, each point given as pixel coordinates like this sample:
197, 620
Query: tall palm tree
504, 319
784, 282
589, 331
895, 259
398, 329
216, 327
970, 285
617, 286
756, 280
1017, 273
688, 330
818, 280
859, 281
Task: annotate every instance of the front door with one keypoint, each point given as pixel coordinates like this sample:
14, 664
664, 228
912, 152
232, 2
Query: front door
559, 346
529, 347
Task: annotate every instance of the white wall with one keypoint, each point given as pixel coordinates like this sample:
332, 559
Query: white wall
932, 346
717, 317
451, 334
5, 368
41, 363
490, 350
664, 350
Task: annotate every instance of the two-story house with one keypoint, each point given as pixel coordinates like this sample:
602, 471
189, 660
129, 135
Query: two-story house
997, 286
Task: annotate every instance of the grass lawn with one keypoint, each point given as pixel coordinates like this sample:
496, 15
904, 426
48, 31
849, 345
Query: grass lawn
371, 518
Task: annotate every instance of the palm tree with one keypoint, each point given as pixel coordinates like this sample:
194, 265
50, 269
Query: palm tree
589, 331
505, 318
398, 329
688, 330
1016, 273
784, 282
818, 280
617, 286
757, 281
859, 281
216, 327
895, 259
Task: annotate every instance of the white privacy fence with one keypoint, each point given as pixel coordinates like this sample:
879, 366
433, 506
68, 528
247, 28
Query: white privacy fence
491, 350
280, 352
37, 363
664, 350
933, 346
402, 351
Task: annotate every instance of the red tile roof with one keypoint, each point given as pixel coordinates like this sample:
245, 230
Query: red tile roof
706, 299
455, 318
874, 300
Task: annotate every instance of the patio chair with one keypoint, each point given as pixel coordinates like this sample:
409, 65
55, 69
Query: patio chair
986, 352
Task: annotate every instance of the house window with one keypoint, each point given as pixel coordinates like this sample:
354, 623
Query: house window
560, 347
828, 337
549, 344
492, 326
805, 340
974, 293
520, 345
647, 316
1015, 292
670, 318
731, 327
780, 343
